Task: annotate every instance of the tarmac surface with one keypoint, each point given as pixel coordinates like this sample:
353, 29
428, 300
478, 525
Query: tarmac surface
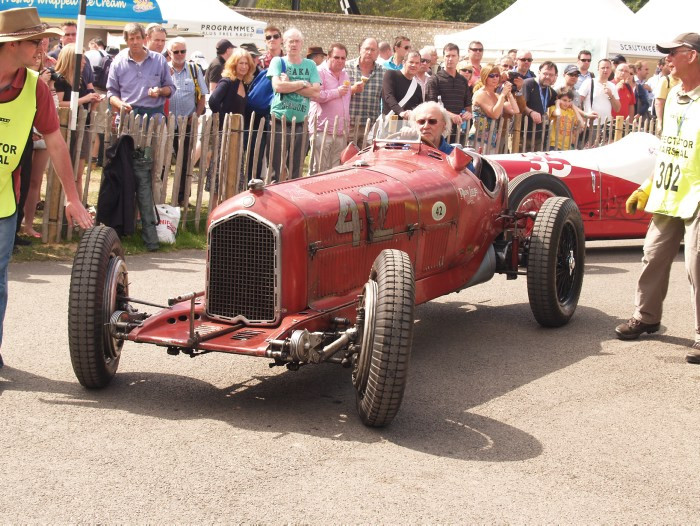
502, 421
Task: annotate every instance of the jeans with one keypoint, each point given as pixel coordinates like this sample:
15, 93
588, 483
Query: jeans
7, 242
142, 162
278, 155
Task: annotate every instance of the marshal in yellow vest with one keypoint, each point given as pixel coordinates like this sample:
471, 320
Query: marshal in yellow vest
675, 189
16, 118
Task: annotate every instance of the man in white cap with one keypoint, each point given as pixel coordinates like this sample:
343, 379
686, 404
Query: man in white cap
672, 195
25, 101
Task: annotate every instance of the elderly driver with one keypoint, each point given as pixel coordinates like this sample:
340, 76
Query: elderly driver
434, 125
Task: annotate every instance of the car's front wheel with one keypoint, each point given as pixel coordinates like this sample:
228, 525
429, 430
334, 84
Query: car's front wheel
381, 368
98, 285
556, 259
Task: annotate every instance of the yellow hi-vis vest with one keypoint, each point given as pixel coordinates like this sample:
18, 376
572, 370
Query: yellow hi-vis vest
675, 190
16, 118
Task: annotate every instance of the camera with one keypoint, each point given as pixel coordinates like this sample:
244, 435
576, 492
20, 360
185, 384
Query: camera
55, 75
512, 75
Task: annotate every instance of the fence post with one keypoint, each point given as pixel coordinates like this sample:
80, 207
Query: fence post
304, 144
257, 153
54, 193
517, 124
292, 140
203, 166
235, 151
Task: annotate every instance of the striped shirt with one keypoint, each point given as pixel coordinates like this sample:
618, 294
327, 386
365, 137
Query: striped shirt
456, 95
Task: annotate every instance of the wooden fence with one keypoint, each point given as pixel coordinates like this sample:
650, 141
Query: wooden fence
226, 154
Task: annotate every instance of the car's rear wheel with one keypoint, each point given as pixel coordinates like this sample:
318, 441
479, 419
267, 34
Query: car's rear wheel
99, 282
381, 368
528, 192
556, 259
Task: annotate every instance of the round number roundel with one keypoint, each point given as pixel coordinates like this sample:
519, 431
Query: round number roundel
439, 210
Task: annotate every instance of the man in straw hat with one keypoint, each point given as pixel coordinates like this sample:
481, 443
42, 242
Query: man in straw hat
25, 101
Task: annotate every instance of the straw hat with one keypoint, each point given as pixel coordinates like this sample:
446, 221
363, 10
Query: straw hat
24, 24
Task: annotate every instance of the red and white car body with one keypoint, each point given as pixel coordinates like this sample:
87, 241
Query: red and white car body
599, 180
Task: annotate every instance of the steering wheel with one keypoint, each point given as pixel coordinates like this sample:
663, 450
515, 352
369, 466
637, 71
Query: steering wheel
427, 142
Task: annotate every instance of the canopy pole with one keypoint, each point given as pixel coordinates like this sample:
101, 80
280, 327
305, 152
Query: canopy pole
79, 43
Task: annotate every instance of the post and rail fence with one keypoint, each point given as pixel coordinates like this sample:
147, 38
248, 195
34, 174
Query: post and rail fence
222, 155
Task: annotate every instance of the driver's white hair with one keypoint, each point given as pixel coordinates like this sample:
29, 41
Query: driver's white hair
432, 104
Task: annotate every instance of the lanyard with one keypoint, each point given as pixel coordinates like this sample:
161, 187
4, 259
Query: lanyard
544, 99
681, 118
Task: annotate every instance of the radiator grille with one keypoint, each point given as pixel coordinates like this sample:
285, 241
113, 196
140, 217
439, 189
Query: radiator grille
243, 274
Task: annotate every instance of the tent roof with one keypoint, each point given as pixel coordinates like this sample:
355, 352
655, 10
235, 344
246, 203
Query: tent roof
210, 18
541, 25
211, 12
666, 19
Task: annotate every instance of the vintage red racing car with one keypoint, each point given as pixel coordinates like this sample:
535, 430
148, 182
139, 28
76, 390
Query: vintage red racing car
599, 179
329, 268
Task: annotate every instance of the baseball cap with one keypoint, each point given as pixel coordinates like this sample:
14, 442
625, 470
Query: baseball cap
684, 39
251, 48
618, 59
571, 69
112, 50
223, 45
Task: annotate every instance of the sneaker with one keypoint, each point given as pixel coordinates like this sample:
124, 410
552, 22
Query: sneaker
693, 355
22, 242
633, 328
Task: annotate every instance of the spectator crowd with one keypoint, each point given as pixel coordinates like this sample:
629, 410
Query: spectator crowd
337, 90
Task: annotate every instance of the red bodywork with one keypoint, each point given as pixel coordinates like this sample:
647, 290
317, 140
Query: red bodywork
332, 227
600, 181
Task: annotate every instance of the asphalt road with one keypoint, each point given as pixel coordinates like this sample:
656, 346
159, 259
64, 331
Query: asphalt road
502, 422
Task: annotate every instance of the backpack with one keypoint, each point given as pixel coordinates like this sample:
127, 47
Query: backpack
192, 67
102, 72
261, 93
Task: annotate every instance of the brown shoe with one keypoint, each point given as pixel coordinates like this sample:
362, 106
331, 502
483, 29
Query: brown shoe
693, 355
633, 328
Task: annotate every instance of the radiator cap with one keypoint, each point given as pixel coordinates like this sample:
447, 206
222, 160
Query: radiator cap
255, 185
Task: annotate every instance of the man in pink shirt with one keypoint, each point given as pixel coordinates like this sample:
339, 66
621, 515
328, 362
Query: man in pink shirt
331, 108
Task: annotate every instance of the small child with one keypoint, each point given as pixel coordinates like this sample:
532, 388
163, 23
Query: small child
564, 117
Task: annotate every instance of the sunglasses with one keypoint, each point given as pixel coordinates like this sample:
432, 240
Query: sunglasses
494, 75
69, 34
421, 122
179, 52
270, 37
585, 59
477, 49
525, 59
673, 52
36, 42
465, 70
424, 60
407, 47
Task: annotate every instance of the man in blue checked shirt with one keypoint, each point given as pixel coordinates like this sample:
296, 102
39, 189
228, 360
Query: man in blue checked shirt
188, 100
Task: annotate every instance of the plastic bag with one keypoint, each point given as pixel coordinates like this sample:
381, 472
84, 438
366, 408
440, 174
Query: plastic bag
168, 223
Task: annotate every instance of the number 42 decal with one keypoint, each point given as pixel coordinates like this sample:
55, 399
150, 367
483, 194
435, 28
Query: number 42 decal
348, 207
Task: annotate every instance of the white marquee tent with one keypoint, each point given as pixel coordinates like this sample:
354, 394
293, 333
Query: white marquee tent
557, 29
663, 20
205, 22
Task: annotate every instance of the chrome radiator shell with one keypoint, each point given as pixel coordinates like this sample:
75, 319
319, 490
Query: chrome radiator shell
244, 270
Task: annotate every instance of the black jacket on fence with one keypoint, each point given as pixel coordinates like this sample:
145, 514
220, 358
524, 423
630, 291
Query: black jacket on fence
115, 203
